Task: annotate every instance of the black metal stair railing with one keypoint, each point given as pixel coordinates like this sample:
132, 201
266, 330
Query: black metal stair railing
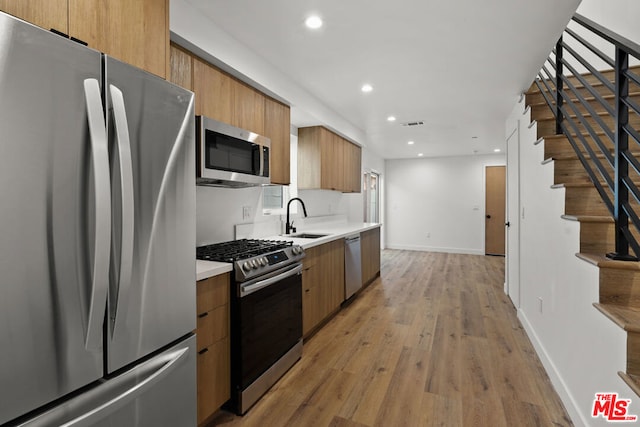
581, 104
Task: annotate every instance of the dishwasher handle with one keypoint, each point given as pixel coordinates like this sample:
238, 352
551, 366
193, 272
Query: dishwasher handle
352, 239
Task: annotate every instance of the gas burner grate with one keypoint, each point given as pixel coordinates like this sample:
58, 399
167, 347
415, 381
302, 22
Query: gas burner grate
235, 250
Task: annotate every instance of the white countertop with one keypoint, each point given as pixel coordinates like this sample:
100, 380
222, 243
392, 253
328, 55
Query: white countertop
333, 231
206, 269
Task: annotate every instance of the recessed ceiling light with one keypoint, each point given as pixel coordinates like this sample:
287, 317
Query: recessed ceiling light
410, 142
420, 154
314, 22
367, 88
391, 118
497, 150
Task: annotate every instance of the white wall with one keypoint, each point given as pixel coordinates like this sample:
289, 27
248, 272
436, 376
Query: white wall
579, 347
437, 204
620, 16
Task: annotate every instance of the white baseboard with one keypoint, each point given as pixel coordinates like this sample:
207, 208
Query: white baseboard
466, 251
554, 375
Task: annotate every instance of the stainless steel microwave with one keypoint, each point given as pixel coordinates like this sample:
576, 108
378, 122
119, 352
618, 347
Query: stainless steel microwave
227, 156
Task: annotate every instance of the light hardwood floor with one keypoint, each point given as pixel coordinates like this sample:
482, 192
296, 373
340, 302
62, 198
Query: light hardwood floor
433, 342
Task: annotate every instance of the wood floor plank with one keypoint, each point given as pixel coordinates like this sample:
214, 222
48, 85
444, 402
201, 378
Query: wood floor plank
433, 342
405, 389
440, 411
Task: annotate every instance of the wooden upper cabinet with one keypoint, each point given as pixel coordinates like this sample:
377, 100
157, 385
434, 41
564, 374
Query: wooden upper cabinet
213, 92
277, 127
309, 157
181, 67
248, 108
136, 32
327, 161
353, 168
48, 14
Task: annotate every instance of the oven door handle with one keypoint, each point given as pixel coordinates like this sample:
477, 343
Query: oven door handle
253, 287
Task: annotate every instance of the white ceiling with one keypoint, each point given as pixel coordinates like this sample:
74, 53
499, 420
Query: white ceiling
459, 66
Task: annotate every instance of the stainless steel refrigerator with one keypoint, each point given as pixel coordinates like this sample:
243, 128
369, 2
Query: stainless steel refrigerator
97, 240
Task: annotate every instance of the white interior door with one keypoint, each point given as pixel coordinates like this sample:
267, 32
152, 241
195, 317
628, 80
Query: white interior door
513, 218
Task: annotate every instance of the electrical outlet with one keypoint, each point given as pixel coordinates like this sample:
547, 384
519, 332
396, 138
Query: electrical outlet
246, 212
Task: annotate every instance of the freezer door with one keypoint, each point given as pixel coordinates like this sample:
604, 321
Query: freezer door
48, 255
158, 392
152, 145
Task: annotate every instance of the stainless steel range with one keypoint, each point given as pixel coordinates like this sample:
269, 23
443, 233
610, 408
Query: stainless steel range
266, 313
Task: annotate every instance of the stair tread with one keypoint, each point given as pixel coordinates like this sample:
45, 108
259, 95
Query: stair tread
588, 218
574, 116
587, 98
561, 135
634, 68
628, 318
601, 261
633, 381
584, 184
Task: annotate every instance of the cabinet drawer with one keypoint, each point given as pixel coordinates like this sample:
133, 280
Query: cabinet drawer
213, 378
212, 292
212, 326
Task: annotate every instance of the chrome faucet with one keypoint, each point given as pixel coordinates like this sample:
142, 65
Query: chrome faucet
289, 226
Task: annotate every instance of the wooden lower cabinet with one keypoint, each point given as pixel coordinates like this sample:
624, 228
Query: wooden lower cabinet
212, 341
322, 283
370, 253
213, 378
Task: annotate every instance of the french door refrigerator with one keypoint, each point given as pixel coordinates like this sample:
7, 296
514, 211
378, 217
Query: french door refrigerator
97, 247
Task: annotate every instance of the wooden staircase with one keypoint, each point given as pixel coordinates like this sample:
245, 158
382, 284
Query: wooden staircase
619, 281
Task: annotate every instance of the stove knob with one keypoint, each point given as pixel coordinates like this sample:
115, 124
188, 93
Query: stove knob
264, 262
246, 266
254, 264
297, 250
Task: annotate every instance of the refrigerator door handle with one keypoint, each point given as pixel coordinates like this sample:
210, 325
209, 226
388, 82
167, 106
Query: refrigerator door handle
102, 242
126, 179
98, 403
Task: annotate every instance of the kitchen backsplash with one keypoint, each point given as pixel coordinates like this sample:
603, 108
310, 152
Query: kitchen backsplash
219, 210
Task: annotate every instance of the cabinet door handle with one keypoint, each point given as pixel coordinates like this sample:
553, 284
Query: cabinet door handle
203, 351
203, 315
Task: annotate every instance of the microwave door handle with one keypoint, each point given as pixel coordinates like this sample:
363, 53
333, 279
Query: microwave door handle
261, 160
126, 179
102, 232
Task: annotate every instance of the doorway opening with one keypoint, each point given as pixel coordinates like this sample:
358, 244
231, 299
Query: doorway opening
371, 194
495, 210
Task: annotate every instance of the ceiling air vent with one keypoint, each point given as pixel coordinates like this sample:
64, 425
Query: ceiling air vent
416, 123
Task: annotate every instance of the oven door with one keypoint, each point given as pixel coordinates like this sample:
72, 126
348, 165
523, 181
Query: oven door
268, 321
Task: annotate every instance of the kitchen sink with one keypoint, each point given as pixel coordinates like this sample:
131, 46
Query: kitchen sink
307, 235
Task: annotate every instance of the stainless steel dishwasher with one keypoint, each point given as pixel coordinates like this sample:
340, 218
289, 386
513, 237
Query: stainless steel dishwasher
352, 265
